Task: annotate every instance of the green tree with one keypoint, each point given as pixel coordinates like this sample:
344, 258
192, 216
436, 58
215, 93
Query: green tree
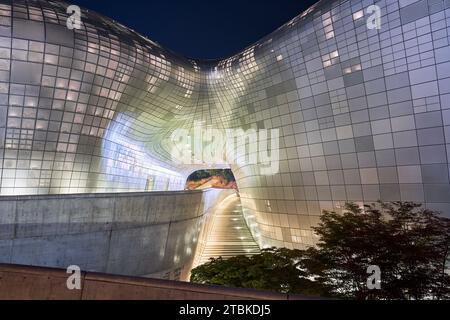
276, 269
409, 244
201, 174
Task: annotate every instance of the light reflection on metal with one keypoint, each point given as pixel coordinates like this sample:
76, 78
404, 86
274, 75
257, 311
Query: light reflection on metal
93, 110
228, 233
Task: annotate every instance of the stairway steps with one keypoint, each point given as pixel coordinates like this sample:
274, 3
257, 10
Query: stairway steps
224, 239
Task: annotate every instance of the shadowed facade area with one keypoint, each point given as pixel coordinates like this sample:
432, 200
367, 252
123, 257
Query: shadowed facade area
363, 114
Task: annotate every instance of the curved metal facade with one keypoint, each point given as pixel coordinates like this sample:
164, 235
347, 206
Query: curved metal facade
364, 114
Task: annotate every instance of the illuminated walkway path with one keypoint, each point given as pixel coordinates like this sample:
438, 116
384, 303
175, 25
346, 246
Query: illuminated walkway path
229, 235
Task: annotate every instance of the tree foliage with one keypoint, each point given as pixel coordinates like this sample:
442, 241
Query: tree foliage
227, 174
276, 269
409, 244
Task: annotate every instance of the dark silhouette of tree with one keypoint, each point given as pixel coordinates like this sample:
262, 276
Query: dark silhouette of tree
409, 244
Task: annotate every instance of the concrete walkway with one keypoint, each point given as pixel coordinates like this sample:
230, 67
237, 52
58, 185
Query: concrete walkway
229, 235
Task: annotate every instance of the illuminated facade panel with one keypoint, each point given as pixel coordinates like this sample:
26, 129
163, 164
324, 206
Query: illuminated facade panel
363, 113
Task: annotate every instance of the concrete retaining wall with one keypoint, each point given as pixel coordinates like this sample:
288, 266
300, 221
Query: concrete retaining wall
140, 234
21, 282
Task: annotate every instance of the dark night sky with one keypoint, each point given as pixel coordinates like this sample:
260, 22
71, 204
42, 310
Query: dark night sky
201, 28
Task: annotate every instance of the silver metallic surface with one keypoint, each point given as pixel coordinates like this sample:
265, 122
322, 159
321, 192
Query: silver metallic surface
364, 114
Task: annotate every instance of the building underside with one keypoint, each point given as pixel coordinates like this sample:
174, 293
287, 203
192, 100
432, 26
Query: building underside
363, 114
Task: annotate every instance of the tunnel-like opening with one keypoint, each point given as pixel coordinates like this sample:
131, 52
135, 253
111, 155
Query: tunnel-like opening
211, 178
